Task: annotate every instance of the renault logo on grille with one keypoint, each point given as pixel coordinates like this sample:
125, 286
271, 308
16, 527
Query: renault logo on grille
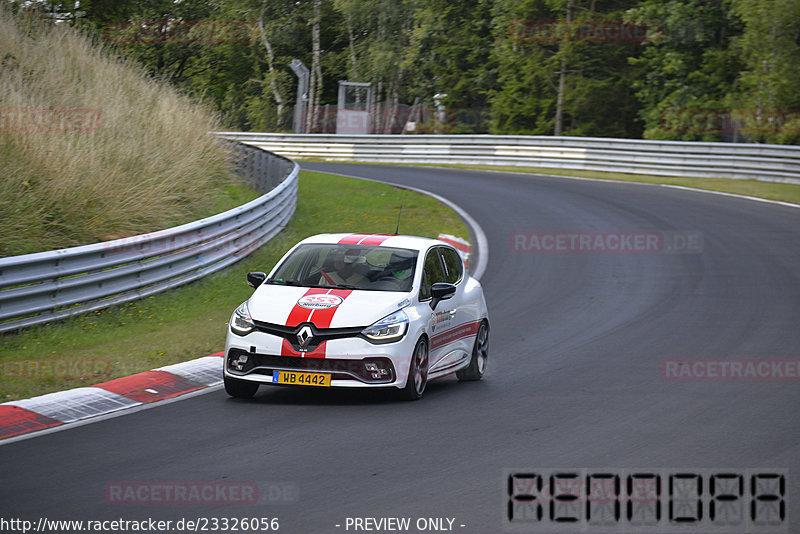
304, 336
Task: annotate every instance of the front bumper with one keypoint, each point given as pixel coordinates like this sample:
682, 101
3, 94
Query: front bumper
345, 360
263, 365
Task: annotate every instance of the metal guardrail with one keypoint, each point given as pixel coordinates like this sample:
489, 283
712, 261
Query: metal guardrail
771, 163
45, 286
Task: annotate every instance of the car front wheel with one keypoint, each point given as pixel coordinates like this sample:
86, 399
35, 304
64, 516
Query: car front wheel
417, 372
240, 389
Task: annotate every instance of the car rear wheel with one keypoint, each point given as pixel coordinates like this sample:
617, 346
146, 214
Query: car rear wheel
417, 372
240, 389
480, 355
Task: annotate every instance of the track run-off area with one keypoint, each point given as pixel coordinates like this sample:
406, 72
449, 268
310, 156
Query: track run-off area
629, 325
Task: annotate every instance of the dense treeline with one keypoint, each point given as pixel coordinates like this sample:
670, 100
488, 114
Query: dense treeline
660, 69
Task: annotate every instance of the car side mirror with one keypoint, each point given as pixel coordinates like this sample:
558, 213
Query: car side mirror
256, 278
441, 291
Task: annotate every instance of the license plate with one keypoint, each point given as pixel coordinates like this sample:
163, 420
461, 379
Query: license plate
301, 379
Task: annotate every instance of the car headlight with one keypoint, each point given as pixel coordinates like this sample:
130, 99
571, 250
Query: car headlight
241, 322
390, 328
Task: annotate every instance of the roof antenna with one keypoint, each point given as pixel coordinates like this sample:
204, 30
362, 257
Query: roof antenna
397, 228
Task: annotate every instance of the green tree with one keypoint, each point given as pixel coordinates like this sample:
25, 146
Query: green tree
554, 76
687, 69
450, 53
768, 91
707, 69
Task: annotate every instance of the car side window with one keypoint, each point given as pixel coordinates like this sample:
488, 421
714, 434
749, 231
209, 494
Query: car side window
453, 264
432, 273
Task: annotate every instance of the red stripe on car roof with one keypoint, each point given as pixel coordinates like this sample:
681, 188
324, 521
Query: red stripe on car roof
352, 239
364, 239
376, 239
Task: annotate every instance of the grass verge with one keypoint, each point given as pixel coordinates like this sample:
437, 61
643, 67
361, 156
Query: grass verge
190, 322
91, 148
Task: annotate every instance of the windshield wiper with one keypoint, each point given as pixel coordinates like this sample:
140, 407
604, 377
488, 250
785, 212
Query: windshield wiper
295, 283
332, 286
281, 281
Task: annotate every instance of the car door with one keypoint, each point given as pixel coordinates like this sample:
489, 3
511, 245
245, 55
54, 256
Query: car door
444, 342
464, 310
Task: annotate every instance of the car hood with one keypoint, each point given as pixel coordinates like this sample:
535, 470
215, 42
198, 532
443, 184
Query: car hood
289, 306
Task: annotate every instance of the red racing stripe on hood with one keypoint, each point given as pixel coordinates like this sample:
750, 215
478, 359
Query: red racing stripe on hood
320, 319
323, 318
299, 314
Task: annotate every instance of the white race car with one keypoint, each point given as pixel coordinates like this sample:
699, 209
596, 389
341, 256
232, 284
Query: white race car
359, 310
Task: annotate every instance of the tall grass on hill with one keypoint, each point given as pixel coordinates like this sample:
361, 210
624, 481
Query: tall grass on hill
147, 164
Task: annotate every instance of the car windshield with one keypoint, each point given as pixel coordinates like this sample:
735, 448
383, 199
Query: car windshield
340, 266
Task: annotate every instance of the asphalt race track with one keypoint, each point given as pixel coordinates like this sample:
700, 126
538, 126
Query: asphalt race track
579, 346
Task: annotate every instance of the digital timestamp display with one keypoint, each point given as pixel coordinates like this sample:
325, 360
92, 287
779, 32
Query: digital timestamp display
600, 500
